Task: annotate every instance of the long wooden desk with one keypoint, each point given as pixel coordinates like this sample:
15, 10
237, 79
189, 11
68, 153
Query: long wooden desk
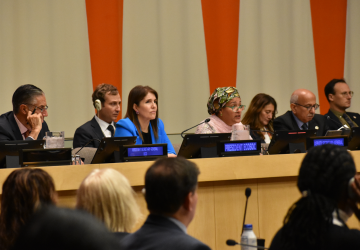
222, 185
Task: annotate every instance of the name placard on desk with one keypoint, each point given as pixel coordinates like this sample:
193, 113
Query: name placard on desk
145, 152
239, 148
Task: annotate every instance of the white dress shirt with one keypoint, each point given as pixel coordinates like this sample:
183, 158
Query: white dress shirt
104, 126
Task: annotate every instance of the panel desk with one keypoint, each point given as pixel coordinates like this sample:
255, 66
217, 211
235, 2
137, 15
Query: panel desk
221, 193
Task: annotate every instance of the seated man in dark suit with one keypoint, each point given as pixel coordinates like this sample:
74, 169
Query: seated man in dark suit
339, 97
171, 197
302, 115
26, 121
106, 100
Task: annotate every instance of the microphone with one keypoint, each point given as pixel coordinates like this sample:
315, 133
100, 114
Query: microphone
206, 121
86, 145
247, 194
233, 243
345, 127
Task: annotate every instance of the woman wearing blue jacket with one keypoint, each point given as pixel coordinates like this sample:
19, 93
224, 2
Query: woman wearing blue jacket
141, 119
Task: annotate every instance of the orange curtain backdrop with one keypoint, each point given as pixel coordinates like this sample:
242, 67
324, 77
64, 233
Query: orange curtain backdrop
221, 26
329, 31
105, 25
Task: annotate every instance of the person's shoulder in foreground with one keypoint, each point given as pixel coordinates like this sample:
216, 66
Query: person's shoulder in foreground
158, 232
166, 226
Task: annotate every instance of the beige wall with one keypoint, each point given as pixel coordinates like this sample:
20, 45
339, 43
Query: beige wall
45, 43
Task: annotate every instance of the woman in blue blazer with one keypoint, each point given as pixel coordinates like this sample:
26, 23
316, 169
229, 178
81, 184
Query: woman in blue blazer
142, 120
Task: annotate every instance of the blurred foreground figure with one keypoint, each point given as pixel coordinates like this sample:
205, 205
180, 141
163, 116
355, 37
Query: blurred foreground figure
54, 228
317, 220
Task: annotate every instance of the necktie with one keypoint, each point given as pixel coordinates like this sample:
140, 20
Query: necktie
26, 134
348, 120
111, 129
304, 127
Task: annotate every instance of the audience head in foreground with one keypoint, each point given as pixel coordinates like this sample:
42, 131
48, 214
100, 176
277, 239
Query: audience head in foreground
107, 195
24, 191
224, 106
171, 197
317, 220
54, 228
260, 116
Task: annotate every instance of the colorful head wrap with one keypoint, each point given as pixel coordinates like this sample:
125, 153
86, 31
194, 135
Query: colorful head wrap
223, 95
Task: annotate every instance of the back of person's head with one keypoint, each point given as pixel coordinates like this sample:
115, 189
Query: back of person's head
323, 181
107, 195
329, 88
25, 94
23, 192
101, 90
168, 182
60, 228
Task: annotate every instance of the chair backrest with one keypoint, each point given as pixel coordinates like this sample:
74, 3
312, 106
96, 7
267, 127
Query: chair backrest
86, 153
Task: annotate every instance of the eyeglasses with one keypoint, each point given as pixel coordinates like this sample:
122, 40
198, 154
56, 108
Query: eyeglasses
236, 108
309, 107
350, 93
38, 108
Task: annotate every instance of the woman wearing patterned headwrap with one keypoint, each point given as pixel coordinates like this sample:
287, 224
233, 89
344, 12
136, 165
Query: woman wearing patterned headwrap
225, 108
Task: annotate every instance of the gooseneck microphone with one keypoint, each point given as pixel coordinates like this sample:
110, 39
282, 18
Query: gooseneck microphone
86, 145
233, 243
247, 194
342, 127
206, 121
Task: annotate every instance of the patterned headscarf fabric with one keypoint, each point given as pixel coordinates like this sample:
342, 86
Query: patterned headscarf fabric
223, 95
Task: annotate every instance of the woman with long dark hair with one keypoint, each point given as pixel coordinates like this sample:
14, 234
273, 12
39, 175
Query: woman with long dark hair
317, 220
260, 117
141, 119
23, 192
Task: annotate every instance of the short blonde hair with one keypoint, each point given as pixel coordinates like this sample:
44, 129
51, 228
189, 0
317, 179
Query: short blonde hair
107, 194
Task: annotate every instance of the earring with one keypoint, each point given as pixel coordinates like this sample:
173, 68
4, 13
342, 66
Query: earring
137, 112
220, 114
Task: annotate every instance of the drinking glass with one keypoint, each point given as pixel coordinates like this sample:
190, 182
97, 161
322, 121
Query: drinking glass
240, 132
54, 139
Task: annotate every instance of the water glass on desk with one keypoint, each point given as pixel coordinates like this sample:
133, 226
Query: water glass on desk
54, 139
240, 132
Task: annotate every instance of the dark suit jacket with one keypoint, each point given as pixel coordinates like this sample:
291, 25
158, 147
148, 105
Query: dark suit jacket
9, 130
335, 238
160, 233
287, 122
85, 133
334, 122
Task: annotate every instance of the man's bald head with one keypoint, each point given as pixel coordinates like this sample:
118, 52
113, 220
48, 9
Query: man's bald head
300, 101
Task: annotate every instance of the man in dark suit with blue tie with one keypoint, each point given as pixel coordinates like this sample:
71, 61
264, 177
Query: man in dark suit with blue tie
26, 121
302, 114
171, 197
106, 100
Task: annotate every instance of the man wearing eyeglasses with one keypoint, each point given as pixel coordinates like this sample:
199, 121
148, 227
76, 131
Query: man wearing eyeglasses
339, 97
26, 121
302, 115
